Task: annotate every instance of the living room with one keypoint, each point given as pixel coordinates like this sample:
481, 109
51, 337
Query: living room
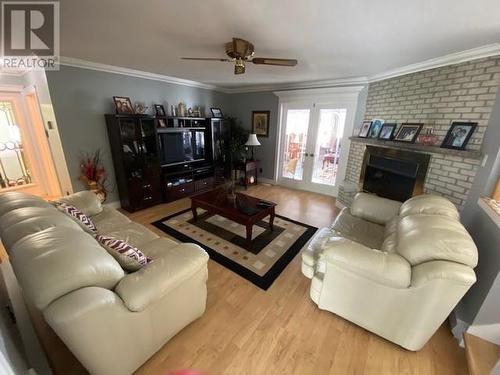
191, 188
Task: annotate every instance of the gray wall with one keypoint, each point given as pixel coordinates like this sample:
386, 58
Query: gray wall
241, 107
81, 97
482, 229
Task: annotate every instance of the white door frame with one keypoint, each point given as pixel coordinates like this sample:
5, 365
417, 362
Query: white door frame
337, 97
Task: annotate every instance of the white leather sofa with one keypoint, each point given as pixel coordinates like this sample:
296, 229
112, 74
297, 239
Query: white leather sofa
113, 321
394, 269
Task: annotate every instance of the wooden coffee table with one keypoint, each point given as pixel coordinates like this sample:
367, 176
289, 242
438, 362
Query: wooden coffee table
245, 211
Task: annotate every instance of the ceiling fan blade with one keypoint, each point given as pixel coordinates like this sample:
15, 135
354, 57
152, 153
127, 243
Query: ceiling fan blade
271, 61
206, 59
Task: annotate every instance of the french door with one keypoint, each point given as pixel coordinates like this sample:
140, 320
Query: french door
313, 150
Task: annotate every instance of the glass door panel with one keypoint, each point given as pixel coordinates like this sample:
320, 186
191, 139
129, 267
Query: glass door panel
295, 141
327, 147
14, 166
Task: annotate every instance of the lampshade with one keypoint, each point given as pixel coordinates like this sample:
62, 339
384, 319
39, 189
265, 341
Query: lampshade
252, 140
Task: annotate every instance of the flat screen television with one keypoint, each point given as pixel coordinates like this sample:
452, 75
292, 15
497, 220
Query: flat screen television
182, 146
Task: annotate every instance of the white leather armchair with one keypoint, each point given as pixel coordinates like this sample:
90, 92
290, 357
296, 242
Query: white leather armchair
113, 321
394, 269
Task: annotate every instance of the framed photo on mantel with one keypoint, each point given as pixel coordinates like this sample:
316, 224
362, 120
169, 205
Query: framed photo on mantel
458, 135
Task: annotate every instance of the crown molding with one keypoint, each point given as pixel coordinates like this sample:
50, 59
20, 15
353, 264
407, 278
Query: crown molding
325, 83
450, 59
79, 63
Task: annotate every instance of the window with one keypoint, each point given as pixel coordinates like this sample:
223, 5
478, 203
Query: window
14, 169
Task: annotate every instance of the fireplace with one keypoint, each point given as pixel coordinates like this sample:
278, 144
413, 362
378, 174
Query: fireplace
393, 173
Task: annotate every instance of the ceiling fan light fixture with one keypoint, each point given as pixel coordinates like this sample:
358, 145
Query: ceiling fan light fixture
239, 66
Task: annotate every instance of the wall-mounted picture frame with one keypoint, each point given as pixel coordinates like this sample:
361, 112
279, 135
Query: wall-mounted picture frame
458, 135
387, 131
408, 132
123, 105
260, 123
375, 128
365, 128
160, 110
216, 112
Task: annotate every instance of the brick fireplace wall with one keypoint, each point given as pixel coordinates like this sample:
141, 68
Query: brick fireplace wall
435, 97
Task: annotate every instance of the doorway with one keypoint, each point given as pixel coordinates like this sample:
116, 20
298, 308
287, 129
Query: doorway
25, 159
312, 146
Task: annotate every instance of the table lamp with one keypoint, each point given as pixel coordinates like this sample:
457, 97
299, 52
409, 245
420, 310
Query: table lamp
252, 142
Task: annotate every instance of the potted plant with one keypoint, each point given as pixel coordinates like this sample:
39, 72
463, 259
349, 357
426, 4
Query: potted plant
237, 139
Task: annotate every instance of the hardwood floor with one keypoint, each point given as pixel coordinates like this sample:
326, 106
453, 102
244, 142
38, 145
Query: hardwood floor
246, 330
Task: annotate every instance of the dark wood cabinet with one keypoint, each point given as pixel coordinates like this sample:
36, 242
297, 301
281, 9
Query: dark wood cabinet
134, 147
220, 149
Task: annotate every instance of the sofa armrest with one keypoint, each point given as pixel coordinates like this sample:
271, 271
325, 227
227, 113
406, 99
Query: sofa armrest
165, 273
441, 269
384, 268
373, 208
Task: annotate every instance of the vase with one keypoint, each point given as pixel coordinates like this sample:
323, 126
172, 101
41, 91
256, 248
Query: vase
98, 191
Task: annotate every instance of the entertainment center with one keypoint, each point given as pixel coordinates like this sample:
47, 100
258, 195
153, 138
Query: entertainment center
160, 161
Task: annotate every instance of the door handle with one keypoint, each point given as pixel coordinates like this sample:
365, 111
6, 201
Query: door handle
306, 154
311, 155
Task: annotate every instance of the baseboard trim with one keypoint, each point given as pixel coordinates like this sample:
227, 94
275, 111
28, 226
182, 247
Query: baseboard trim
458, 328
269, 181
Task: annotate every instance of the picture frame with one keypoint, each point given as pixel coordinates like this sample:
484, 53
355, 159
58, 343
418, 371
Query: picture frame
408, 132
365, 128
375, 128
160, 110
123, 105
458, 135
162, 123
387, 131
260, 123
216, 112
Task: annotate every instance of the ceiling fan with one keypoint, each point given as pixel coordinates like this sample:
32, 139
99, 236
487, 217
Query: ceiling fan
241, 51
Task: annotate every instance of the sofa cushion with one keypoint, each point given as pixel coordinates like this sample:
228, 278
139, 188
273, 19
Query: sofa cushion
429, 204
129, 257
58, 260
109, 219
359, 230
133, 233
13, 233
86, 201
374, 208
422, 238
78, 216
12, 200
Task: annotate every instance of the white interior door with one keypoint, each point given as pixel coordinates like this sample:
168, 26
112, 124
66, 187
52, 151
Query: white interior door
314, 142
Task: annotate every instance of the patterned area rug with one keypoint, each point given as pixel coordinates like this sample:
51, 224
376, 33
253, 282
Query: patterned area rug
224, 240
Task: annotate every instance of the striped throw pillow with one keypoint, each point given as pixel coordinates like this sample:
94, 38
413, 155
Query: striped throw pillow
83, 220
129, 257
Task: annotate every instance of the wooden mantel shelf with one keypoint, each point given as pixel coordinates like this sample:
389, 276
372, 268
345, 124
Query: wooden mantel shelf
470, 154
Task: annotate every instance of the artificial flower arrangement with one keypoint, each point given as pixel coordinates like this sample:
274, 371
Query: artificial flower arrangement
92, 173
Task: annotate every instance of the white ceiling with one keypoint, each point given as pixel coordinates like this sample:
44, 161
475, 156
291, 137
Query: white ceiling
330, 38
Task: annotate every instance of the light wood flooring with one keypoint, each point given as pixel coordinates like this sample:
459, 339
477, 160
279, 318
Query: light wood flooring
246, 330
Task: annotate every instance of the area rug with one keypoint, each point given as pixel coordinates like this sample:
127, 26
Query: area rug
224, 240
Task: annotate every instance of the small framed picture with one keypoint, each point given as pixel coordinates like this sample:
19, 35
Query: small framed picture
408, 132
123, 105
365, 128
162, 123
459, 134
159, 110
260, 123
387, 131
216, 112
375, 128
